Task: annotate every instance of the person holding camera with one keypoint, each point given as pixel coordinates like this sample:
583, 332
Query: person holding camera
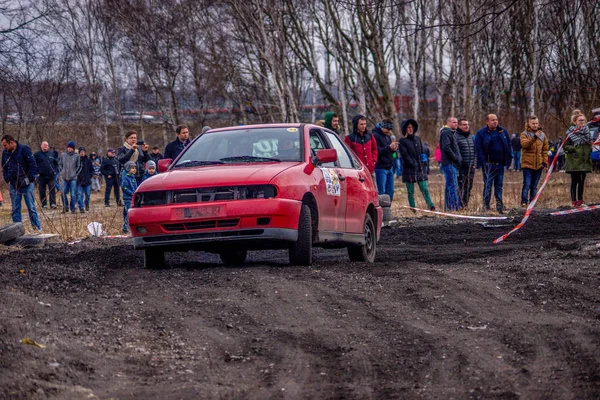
20, 171
136, 151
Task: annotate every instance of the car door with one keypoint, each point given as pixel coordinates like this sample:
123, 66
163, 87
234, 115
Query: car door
331, 191
356, 179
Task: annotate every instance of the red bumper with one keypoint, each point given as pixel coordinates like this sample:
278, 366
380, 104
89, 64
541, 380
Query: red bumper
177, 219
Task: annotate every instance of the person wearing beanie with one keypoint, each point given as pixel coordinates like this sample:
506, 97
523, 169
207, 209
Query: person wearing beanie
129, 186
155, 155
331, 121
362, 143
69, 165
386, 148
84, 181
150, 170
206, 129
414, 169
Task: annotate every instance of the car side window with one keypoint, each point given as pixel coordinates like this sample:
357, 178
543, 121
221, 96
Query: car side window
317, 143
343, 156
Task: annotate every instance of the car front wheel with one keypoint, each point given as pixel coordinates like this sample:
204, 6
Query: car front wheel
366, 252
234, 257
154, 258
301, 250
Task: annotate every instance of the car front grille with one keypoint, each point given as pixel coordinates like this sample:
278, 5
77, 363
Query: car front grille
204, 195
211, 224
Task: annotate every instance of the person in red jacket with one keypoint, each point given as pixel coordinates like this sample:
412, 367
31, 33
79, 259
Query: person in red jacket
363, 143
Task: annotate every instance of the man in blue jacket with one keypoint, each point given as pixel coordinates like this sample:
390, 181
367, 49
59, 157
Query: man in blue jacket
386, 147
20, 171
492, 145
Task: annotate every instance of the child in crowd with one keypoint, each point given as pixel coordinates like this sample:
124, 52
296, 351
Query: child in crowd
150, 170
129, 186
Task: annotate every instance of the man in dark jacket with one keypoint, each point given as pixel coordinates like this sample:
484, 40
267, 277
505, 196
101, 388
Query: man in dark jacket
414, 170
362, 143
47, 165
110, 170
451, 161
175, 147
20, 171
84, 181
386, 147
331, 121
515, 145
155, 155
466, 172
492, 146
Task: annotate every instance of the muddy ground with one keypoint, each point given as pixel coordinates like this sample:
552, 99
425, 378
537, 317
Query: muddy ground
442, 314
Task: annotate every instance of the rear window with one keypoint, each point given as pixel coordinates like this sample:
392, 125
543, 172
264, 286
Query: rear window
243, 145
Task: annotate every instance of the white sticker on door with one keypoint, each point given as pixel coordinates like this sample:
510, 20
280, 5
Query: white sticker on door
332, 182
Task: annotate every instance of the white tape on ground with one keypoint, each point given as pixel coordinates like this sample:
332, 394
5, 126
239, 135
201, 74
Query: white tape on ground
456, 215
576, 210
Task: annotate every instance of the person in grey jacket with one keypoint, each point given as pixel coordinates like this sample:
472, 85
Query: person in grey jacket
468, 165
70, 167
451, 160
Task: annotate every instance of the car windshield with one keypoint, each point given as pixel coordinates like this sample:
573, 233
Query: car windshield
244, 146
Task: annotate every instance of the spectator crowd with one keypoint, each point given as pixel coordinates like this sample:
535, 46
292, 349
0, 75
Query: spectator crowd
73, 175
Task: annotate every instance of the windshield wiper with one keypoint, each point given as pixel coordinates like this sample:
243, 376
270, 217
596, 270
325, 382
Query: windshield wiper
196, 163
249, 158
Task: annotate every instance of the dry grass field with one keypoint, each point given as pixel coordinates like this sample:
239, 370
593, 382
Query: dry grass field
74, 226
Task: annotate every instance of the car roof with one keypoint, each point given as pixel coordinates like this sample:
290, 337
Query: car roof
257, 126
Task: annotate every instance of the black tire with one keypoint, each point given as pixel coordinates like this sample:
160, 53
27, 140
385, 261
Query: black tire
366, 252
384, 200
301, 250
234, 257
154, 258
11, 231
387, 214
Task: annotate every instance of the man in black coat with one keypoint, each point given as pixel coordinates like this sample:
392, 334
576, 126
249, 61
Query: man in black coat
386, 147
47, 164
110, 169
155, 155
175, 147
84, 181
451, 161
468, 165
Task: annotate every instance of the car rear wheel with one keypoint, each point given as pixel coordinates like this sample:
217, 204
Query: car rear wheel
366, 252
301, 250
154, 258
234, 257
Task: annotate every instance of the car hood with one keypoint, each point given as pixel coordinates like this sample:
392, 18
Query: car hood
216, 175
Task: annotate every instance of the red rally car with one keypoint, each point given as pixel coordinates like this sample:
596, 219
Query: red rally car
278, 186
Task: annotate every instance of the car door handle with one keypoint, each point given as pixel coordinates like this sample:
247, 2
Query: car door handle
362, 179
341, 177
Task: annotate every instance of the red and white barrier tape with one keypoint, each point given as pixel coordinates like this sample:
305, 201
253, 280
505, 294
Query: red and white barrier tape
537, 196
576, 210
115, 236
454, 215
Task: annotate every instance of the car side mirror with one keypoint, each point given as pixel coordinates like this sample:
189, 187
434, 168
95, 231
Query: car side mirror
325, 156
164, 164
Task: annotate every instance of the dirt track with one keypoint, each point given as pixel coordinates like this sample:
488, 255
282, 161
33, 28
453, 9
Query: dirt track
443, 313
